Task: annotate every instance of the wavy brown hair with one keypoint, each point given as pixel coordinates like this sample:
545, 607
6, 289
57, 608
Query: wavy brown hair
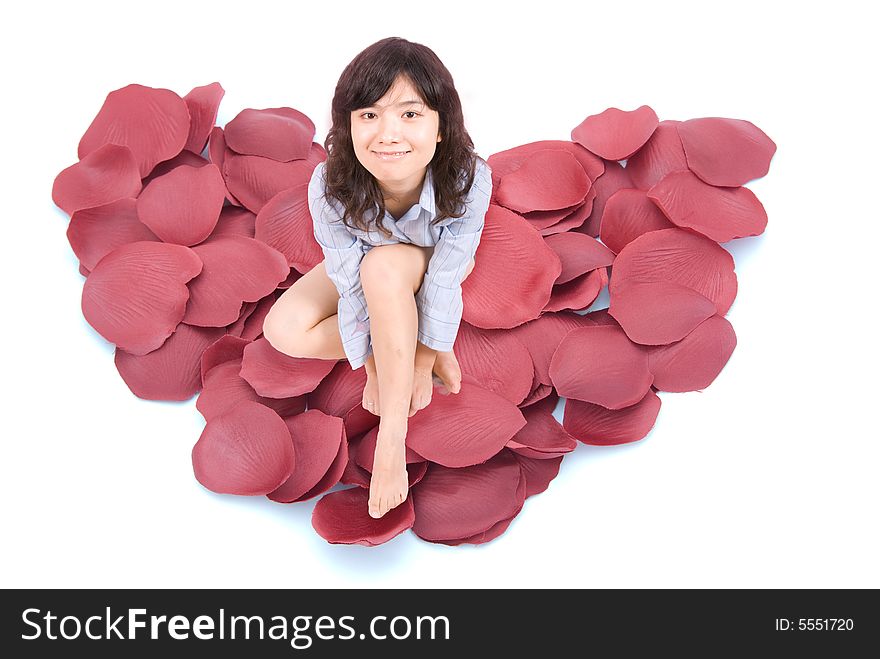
363, 82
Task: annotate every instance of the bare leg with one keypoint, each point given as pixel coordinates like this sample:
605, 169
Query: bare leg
371, 388
442, 364
324, 339
393, 327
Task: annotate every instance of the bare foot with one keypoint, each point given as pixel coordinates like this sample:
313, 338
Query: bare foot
448, 372
370, 400
423, 388
390, 483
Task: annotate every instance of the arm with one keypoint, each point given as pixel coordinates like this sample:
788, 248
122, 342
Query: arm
343, 253
439, 298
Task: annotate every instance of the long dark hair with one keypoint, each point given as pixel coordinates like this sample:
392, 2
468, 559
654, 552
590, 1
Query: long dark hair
363, 82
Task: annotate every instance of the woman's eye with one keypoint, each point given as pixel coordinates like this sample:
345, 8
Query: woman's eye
407, 112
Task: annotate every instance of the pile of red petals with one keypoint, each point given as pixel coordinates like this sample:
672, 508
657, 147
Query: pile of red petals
187, 233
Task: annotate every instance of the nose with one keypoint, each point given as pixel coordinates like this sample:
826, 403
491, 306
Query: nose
389, 129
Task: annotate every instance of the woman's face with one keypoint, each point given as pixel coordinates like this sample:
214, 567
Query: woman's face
395, 124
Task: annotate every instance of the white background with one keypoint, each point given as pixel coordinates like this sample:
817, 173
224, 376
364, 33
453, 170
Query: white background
768, 478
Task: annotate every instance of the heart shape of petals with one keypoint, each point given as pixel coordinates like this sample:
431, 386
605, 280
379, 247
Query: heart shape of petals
185, 255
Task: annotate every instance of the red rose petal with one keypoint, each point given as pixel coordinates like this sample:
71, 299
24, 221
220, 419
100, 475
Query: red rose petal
339, 390
629, 214
579, 293
540, 392
285, 223
247, 309
137, 294
499, 527
549, 179
595, 424
358, 421
464, 429
235, 222
317, 438
679, 256
729, 152
572, 220
217, 154
95, 232
616, 134
600, 365
106, 175
657, 313
722, 214
153, 123
282, 134
508, 161
496, 360
458, 503
538, 473
661, 154
225, 349
343, 518
246, 450
182, 159
183, 205
578, 254
694, 362
542, 336
203, 104
276, 375
224, 388
549, 218
254, 180
252, 327
498, 296
614, 179
542, 437
172, 371
237, 269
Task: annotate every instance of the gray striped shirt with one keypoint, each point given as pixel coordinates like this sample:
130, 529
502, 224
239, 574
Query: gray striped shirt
455, 242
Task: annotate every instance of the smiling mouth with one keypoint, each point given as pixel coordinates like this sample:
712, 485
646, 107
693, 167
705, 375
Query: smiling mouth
390, 155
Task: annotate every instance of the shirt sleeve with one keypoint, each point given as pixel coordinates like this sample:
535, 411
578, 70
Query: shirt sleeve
439, 298
343, 253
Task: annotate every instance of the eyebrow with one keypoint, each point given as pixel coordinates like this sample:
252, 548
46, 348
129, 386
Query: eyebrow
401, 104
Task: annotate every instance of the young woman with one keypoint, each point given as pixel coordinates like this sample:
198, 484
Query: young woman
398, 210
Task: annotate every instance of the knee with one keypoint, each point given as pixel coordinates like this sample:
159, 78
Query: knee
284, 335
384, 268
